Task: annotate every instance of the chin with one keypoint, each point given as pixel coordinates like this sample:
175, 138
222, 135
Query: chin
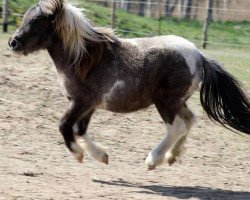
25, 53
22, 51
30, 51
16, 52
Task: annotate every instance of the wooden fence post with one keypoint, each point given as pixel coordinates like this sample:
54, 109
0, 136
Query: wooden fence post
208, 19
5, 16
159, 16
113, 14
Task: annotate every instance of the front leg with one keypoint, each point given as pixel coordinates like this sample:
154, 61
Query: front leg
90, 147
76, 110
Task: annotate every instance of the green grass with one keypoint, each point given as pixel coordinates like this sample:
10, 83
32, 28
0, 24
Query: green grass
20, 6
236, 33
228, 32
236, 60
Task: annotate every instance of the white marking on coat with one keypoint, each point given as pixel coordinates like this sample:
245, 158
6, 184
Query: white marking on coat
131, 41
119, 84
187, 49
194, 87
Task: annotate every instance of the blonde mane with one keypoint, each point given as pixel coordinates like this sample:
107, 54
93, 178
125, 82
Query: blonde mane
50, 6
79, 37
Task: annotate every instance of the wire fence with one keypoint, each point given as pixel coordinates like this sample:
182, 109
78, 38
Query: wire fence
193, 40
169, 4
234, 13
245, 43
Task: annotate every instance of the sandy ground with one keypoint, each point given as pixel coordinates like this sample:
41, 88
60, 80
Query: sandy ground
34, 163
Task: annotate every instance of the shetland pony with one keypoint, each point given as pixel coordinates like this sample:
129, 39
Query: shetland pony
101, 71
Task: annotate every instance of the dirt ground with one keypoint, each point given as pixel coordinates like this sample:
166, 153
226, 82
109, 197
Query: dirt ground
34, 163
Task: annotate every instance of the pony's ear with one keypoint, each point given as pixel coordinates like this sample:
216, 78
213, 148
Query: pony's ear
51, 7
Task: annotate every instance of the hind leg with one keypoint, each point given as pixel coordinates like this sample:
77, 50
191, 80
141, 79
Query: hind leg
89, 146
171, 146
168, 108
189, 118
175, 130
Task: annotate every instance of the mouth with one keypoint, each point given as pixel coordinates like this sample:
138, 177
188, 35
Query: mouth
15, 51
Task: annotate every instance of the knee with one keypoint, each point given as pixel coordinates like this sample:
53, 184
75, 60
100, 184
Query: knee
64, 126
80, 128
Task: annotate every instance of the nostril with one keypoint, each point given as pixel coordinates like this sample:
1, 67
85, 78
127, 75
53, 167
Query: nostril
13, 43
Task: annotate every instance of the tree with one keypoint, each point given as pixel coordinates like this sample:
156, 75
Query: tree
148, 7
196, 9
170, 7
125, 4
142, 7
186, 8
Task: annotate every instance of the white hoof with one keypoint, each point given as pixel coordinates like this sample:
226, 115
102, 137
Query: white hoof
77, 152
97, 153
154, 160
94, 150
170, 158
78, 156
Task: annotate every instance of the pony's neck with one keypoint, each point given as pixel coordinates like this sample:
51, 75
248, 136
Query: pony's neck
59, 56
78, 46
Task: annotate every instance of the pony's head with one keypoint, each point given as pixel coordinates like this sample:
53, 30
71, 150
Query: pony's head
56, 18
36, 27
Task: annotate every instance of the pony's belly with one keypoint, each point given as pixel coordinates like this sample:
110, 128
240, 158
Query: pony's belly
126, 107
125, 101
126, 96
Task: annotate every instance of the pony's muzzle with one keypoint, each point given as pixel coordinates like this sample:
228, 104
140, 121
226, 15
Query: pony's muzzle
14, 44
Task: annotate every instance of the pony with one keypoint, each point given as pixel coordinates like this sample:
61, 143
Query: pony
99, 70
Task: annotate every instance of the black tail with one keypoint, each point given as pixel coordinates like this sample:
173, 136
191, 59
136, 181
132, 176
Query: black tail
223, 98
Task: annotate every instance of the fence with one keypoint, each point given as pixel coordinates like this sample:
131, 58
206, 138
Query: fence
160, 14
223, 10
158, 11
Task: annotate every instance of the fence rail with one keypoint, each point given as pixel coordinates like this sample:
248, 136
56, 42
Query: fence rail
169, 4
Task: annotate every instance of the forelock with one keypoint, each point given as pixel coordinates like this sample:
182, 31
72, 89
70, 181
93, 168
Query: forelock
51, 6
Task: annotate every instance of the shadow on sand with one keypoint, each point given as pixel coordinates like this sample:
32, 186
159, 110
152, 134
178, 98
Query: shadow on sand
182, 192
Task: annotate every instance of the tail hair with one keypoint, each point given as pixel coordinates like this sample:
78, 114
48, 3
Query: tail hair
223, 98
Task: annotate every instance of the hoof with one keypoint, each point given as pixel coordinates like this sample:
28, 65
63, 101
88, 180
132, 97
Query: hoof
153, 160
170, 158
105, 159
77, 151
171, 161
78, 157
97, 153
151, 167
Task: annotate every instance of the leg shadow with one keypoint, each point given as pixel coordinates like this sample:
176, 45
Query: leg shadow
183, 192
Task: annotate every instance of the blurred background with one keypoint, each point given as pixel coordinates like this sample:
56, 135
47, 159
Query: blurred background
217, 22
34, 163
